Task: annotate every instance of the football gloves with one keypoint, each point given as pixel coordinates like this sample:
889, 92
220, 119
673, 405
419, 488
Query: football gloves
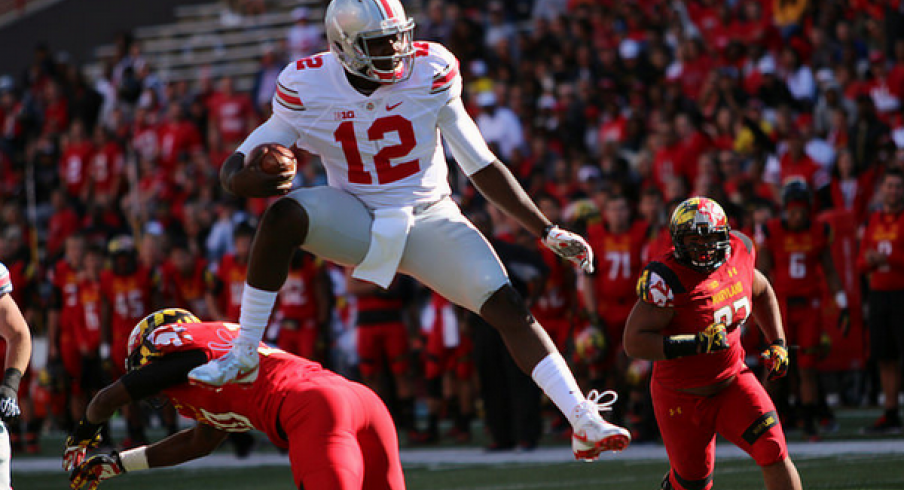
239, 365
100, 467
85, 435
712, 339
9, 396
775, 360
569, 246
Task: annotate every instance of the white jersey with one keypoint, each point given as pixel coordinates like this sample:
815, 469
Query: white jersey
384, 148
6, 284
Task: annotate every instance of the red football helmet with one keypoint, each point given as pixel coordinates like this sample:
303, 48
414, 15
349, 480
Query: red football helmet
141, 351
702, 217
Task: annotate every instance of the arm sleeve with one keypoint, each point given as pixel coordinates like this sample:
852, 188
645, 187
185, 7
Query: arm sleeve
162, 373
274, 130
468, 146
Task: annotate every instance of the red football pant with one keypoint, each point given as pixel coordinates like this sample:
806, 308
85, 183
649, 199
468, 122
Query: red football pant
803, 324
742, 413
378, 342
341, 437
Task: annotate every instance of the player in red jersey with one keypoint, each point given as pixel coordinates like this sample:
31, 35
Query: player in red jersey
449, 367
303, 308
127, 292
63, 316
609, 292
693, 301
382, 324
882, 259
183, 278
794, 251
338, 433
88, 334
556, 304
225, 286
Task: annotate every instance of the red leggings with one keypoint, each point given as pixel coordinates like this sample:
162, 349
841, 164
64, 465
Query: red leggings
341, 437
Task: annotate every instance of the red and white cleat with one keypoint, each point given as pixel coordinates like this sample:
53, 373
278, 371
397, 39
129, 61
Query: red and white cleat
592, 434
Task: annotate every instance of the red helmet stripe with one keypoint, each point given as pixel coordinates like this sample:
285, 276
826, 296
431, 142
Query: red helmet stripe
387, 9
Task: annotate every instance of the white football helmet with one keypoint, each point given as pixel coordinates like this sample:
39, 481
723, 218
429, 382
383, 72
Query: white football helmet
351, 23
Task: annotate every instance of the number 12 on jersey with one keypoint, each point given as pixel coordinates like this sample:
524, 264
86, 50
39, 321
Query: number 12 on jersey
385, 170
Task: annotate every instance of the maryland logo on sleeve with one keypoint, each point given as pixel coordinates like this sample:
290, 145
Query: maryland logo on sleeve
652, 288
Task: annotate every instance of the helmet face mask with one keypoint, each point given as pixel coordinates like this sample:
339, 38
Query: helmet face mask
700, 234
372, 39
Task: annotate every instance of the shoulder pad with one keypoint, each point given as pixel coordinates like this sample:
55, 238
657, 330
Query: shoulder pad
293, 76
6, 284
748, 243
658, 285
444, 68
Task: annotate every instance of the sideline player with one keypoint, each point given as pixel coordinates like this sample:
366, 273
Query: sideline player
14, 331
373, 108
339, 434
795, 249
693, 301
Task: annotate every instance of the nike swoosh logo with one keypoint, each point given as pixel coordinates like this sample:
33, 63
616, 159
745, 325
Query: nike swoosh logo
391, 107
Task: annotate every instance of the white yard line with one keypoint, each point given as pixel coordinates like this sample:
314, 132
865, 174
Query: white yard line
476, 456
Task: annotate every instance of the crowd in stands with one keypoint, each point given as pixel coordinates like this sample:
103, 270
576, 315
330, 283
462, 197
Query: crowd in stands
607, 111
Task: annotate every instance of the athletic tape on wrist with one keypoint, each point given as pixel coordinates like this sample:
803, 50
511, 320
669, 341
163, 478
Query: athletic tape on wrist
134, 459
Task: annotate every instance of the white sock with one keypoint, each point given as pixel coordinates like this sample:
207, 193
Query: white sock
257, 305
555, 379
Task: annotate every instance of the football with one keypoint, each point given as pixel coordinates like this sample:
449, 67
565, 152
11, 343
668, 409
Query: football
273, 158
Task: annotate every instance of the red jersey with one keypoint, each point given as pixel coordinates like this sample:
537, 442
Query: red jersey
297, 300
555, 302
796, 257
235, 407
105, 169
619, 262
700, 299
73, 166
186, 291
231, 275
65, 278
130, 299
657, 244
231, 114
62, 224
803, 167
90, 297
177, 139
885, 234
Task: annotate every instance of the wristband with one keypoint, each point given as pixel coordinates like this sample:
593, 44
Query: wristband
674, 346
841, 299
779, 342
134, 459
11, 378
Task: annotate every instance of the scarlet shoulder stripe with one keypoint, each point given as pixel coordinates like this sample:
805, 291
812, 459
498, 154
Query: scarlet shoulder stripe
444, 80
288, 98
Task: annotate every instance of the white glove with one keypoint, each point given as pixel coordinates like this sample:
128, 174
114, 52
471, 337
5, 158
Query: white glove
240, 365
570, 246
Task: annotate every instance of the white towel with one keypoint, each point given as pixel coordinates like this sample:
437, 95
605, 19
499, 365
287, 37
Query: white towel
388, 235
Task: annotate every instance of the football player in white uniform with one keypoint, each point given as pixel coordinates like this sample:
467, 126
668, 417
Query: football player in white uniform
15, 331
373, 108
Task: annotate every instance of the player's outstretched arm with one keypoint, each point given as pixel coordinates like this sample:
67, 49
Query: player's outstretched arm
500, 187
766, 309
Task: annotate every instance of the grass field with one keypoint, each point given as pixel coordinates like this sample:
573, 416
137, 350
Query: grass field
633, 470
840, 473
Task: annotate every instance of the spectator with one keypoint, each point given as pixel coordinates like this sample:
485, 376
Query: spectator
304, 37
499, 125
880, 258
